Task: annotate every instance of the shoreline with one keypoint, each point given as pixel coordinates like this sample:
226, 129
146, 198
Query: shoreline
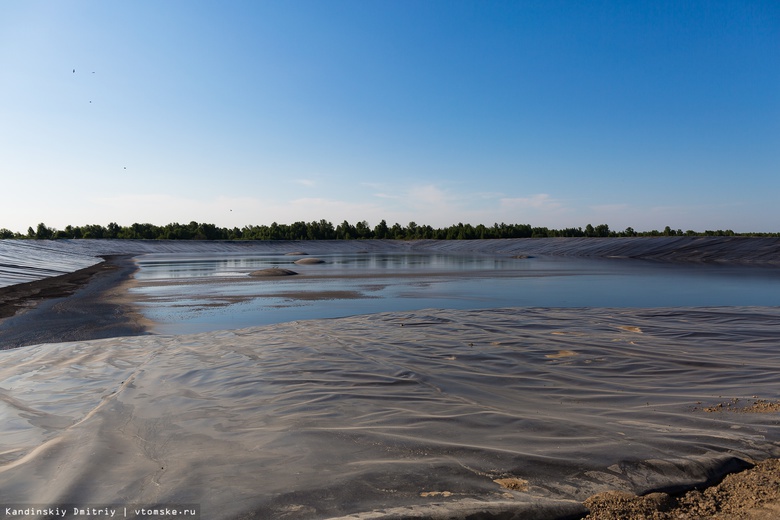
90, 303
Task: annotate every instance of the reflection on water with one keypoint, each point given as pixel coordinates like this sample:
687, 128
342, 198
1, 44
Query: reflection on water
195, 293
166, 266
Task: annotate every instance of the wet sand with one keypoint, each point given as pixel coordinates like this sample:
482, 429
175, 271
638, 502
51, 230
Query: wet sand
92, 303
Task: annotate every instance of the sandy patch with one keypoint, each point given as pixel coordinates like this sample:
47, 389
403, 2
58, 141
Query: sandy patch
753, 494
514, 484
272, 272
561, 354
309, 261
437, 494
739, 406
88, 304
629, 328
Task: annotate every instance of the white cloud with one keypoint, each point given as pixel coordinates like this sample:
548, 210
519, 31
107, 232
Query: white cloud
430, 204
428, 195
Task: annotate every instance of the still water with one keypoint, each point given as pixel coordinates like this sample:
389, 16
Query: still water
201, 292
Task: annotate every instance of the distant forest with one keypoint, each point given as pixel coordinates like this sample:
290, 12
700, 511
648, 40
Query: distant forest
324, 230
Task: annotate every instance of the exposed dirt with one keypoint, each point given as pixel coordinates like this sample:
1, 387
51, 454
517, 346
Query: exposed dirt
87, 304
753, 494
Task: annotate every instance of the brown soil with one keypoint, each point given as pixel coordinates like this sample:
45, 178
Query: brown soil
20, 297
753, 494
90, 303
737, 406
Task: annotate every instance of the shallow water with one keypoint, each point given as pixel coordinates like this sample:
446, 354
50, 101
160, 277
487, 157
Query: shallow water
202, 292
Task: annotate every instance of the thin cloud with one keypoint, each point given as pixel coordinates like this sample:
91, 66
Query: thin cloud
609, 208
540, 201
428, 195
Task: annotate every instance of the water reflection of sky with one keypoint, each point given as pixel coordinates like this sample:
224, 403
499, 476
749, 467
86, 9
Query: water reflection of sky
193, 293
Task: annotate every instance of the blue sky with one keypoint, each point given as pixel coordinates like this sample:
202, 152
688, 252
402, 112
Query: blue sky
554, 114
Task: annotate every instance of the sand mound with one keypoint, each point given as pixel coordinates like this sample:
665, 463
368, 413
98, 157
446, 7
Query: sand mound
273, 271
309, 261
753, 494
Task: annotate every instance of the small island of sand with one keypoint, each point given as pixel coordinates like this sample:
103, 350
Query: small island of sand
273, 271
309, 261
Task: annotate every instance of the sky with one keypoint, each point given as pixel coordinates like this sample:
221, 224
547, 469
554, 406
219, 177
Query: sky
549, 113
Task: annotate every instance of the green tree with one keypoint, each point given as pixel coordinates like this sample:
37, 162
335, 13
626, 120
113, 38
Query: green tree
43, 232
362, 230
345, 231
397, 232
112, 231
381, 230
540, 232
411, 230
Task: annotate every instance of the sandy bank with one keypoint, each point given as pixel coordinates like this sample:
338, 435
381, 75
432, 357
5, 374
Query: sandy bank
90, 303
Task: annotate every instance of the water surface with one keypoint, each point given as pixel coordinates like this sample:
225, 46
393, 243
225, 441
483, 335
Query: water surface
202, 292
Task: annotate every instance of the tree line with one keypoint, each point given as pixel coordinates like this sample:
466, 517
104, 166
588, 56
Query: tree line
325, 230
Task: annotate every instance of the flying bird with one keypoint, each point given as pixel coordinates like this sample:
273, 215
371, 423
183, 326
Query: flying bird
74, 71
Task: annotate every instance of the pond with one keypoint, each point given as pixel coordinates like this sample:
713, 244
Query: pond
185, 293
